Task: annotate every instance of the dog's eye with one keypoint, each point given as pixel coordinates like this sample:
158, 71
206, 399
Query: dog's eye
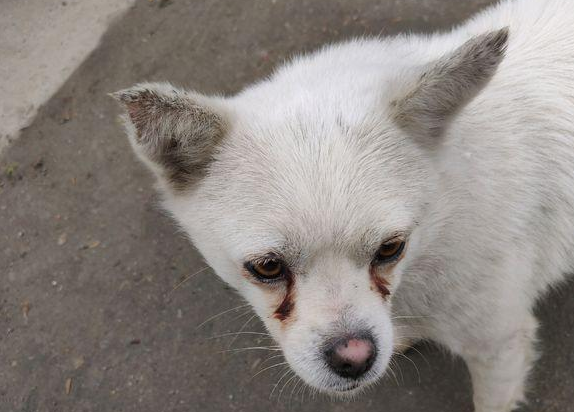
389, 251
266, 270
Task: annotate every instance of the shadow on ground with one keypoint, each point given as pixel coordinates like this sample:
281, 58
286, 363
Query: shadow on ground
89, 318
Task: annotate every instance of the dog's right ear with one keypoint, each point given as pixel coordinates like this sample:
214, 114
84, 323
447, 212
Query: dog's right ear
174, 132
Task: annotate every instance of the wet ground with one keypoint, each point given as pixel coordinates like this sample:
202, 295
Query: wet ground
90, 315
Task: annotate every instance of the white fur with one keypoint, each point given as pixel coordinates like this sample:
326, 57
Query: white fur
312, 158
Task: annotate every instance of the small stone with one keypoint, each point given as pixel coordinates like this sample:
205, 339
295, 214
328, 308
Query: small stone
62, 239
78, 362
25, 309
68, 386
10, 170
90, 245
39, 164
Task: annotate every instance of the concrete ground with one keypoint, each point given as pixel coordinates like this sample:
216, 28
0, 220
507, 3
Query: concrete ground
90, 316
42, 42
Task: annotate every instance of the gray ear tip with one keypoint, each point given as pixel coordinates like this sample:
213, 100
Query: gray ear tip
138, 92
126, 95
119, 95
498, 40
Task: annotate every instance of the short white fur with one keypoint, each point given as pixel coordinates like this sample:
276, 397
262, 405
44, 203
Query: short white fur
315, 162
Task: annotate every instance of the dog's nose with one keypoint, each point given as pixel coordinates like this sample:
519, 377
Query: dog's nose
351, 357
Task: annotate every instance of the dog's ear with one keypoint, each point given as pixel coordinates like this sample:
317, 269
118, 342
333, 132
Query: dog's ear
174, 132
446, 85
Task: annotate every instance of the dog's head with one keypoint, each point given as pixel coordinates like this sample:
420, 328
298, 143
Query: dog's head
305, 191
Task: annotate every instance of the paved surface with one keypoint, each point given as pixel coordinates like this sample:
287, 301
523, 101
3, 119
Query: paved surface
42, 42
89, 318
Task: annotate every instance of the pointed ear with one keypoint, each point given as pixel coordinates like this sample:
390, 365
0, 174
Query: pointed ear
446, 85
173, 131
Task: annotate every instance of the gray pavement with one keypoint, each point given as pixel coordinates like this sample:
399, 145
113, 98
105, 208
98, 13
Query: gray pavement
42, 42
89, 318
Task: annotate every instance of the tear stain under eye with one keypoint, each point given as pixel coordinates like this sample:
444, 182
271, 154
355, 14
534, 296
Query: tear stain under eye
286, 306
381, 284
285, 309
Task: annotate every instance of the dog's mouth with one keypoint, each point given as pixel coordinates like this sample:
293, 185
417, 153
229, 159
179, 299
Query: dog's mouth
345, 389
351, 388
341, 368
347, 392
348, 388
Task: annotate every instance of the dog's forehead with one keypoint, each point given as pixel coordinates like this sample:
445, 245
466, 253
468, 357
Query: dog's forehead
308, 181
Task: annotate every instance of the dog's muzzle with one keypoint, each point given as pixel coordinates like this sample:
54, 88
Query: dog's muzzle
351, 356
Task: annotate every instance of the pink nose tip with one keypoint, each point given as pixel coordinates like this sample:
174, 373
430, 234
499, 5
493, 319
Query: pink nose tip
351, 358
355, 350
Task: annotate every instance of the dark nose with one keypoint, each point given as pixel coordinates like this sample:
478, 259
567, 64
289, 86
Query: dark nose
351, 357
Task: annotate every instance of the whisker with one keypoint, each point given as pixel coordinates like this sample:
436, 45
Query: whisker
269, 348
267, 368
412, 362
416, 326
314, 393
241, 330
394, 375
416, 350
302, 390
285, 385
221, 314
240, 333
279, 381
185, 279
299, 381
241, 315
271, 357
395, 363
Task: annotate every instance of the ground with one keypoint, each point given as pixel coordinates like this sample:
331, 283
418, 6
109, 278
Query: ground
42, 42
92, 313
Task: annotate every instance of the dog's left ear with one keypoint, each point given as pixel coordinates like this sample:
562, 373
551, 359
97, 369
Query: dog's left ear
173, 131
447, 84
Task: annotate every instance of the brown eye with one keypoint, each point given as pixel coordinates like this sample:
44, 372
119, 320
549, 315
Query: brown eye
266, 270
389, 252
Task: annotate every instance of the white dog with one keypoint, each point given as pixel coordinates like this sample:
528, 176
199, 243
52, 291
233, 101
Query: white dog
382, 191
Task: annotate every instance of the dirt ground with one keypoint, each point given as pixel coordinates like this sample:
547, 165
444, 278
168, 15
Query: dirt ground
90, 315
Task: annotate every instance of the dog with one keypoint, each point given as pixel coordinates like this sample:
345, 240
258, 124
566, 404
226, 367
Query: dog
379, 192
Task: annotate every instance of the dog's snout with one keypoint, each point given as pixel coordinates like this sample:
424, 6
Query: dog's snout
351, 357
